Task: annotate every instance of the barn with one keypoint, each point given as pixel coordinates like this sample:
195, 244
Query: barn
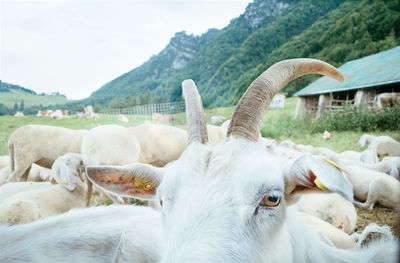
364, 79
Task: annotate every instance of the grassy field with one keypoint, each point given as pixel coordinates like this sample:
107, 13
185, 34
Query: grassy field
9, 98
275, 122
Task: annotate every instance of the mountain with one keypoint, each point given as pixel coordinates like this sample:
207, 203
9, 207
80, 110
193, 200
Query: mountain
11, 94
224, 62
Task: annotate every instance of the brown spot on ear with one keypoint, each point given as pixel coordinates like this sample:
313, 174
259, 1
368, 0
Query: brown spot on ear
120, 180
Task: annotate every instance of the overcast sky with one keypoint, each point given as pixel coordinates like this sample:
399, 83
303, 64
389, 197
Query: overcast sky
75, 47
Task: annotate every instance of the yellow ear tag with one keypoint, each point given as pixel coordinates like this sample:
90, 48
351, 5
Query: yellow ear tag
64, 181
335, 165
149, 165
318, 183
138, 182
148, 186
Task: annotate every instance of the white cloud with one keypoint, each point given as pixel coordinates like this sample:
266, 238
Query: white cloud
75, 47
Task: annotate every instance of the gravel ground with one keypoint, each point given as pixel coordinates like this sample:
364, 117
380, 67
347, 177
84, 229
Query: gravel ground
379, 215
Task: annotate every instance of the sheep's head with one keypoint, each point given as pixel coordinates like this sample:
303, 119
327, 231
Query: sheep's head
66, 170
227, 202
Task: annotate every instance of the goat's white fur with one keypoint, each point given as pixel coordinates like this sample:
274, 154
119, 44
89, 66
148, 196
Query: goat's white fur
121, 234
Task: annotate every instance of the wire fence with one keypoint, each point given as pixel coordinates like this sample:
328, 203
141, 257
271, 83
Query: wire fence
149, 109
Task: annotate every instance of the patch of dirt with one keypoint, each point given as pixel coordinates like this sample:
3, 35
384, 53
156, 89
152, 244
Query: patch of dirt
380, 216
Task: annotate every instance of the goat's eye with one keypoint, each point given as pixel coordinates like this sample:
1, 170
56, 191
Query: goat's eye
161, 201
271, 200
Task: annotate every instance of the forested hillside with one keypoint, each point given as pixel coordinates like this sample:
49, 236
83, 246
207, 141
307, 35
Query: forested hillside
14, 97
224, 62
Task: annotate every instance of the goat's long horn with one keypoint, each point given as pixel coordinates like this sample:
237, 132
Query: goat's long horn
248, 115
196, 121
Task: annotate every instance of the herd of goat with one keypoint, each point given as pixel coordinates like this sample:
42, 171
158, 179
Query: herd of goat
216, 194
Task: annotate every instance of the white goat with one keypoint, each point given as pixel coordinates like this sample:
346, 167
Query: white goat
42, 145
70, 192
228, 202
98, 234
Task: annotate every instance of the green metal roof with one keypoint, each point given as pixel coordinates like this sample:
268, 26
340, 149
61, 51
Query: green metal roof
375, 70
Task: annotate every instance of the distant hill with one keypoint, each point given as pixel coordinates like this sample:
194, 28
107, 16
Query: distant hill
224, 62
11, 94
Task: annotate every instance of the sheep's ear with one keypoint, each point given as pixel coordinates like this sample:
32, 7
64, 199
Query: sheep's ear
139, 181
363, 140
316, 172
68, 180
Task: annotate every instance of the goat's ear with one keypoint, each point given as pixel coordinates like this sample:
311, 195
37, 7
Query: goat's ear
316, 172
67, 178
139, 181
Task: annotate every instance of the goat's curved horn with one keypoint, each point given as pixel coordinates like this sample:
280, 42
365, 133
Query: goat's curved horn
248, 115
196, 121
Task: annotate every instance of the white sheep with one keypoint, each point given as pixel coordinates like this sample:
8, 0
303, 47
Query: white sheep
385, 146
217, 119
216, 133
382, 145
340, 239
225, 124
389, 166
372, 186
4, 161
19, 114
366, 139
70, 192
369, 157
38, 174
110, 144
330, 207
121, 234
326, 230
42, 145
123, 118
7, 190
4, 173
150, 143
57, 115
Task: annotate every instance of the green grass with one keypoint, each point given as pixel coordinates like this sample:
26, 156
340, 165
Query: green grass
275, 126
9, 98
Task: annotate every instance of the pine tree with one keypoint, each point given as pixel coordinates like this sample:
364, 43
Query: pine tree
22, 105
15, 107
148, 99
